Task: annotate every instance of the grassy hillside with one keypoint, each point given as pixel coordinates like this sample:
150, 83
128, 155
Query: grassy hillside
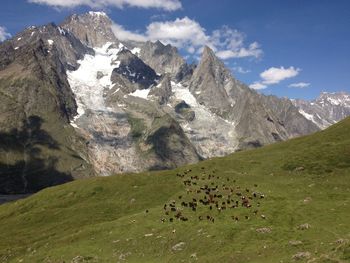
293, 204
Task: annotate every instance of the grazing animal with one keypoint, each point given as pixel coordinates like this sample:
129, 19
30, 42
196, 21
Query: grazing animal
178, 214
171, 219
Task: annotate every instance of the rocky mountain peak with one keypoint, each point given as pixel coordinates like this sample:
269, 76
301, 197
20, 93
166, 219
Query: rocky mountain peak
132, 68
210, 81
93, 29
208, 53
327, 109
162, 58
334, 98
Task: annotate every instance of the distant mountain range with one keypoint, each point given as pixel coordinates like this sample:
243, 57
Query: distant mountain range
76, 102
327, 109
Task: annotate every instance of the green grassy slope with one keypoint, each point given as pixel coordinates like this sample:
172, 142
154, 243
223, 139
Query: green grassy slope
304, 215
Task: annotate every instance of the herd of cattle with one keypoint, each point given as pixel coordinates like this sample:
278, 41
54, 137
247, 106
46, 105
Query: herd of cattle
208, 196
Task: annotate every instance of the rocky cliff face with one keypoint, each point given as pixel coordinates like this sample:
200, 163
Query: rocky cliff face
257, 119
38, 147
92, 29
326, 110
162, 58
84, 103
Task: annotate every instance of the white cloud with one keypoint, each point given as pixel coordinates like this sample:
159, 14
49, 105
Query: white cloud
274, 76
241, 70
188, 34
299, 85
180, 32
168, 5
123, 34
231, 43
257, 85
4, 34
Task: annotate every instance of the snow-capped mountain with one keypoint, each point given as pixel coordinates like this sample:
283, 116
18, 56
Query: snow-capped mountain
105, 106
327, 109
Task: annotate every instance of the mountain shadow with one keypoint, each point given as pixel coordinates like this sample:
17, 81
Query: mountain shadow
32, 169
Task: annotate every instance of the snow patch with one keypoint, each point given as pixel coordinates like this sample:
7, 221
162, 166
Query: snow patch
308, 116
213, 136
61, 30
98, 14
141, 93
184, 94
84, 83
136, 51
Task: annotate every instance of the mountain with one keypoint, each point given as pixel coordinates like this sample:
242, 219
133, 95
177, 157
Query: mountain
112, 107
327, 109
38, 147
294, 192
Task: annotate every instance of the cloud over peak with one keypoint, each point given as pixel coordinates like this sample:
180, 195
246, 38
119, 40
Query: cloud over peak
188, 34
4, 34
168, 5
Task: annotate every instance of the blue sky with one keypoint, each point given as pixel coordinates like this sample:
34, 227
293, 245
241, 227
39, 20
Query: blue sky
278, 45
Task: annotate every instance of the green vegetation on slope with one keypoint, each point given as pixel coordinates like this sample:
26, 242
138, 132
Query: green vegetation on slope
304, 215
